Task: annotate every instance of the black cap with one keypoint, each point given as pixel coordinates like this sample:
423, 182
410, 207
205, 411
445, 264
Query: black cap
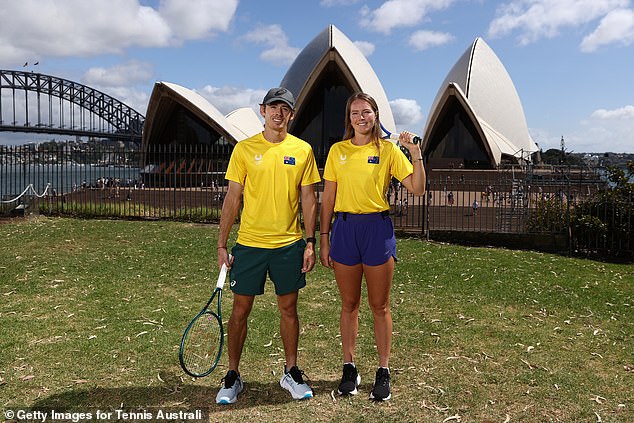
279, 94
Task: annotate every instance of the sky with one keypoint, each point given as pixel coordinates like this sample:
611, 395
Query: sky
571, 60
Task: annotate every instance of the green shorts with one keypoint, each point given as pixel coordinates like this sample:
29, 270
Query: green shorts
251, 265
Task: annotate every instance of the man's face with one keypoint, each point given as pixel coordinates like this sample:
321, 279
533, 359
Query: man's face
276, 115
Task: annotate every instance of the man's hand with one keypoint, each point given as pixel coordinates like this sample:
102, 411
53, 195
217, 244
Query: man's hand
309, 258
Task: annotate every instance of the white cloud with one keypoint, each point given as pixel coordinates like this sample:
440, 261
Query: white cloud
132, 72
40, 28
603, 131
365, 47
122, 82
227, 98
600, 135
626, 113
616, 27
400, 13
272, 36
407, 114
535, 19
194, 19
422, 40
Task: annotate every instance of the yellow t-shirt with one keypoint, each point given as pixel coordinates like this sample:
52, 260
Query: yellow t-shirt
271, 175
363, 175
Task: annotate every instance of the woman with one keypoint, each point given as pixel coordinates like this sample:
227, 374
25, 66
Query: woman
357, 176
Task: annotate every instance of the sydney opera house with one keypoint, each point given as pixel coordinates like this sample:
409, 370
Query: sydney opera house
476, 120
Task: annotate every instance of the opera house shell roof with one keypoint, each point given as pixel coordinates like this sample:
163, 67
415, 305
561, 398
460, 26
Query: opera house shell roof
173, 107
477, 119
322, 77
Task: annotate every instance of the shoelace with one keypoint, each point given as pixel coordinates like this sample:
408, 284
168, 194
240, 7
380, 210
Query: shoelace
297, 374
349, 373
383, 378
230, 379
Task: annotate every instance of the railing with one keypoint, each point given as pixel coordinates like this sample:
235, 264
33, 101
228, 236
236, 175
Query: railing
187, 183
181, 182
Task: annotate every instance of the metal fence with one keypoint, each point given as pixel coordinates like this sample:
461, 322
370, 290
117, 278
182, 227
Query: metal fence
178, 182
510, 205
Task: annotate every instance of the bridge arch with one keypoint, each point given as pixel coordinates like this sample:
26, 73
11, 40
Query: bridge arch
68, 108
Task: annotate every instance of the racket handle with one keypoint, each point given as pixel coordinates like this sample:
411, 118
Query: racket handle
223, 275
416, 139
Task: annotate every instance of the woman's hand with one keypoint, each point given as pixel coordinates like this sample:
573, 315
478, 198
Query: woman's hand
324, 251
406, 139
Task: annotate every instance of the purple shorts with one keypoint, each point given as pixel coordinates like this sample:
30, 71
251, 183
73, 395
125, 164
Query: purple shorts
362, 238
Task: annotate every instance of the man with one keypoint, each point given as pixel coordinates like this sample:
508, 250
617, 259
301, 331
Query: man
270, 171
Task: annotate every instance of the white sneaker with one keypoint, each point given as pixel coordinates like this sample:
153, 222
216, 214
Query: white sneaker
232, 385
294, 383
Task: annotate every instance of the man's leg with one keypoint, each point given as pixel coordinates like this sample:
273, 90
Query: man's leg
237, 331
289, 326
232, 384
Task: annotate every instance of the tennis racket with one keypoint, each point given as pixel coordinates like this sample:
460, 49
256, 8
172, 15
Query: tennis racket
394, 137
201, 345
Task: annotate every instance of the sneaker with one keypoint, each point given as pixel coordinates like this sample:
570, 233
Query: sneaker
294, 383
381, 386
349, 381
231, 387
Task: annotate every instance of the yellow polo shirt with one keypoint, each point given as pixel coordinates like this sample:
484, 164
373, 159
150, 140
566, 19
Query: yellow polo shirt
271, 174
363, 174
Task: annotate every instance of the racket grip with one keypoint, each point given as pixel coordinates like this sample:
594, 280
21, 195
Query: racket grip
416, 139
223, 275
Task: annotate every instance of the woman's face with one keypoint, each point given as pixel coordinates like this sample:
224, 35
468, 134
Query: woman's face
362, 117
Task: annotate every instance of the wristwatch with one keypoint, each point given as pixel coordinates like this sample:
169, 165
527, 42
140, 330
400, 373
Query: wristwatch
311, 239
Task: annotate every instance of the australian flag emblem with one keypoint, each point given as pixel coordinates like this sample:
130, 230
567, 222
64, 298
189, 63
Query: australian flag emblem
373, 159
289, 160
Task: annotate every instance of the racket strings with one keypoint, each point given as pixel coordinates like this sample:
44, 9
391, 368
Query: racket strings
202, 343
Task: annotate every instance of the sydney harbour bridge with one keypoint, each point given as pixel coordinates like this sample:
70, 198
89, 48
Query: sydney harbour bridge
36, 103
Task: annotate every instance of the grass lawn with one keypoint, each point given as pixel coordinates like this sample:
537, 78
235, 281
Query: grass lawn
92, 312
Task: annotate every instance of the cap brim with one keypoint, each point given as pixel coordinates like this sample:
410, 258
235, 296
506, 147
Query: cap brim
282, 100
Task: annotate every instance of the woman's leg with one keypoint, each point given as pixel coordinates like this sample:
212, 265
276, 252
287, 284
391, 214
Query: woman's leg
379, 281
349, 282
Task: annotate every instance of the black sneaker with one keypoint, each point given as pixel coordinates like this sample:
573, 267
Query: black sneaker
349, 381
381, 387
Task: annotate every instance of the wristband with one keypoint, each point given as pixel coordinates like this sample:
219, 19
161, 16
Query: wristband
311, 239
324, 233
221, 248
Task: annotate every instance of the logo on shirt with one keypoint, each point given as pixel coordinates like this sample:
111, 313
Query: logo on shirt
289, 160
373, 159
342, 159
258, 159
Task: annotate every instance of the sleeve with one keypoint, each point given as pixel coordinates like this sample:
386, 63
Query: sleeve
311, 173
330, 173
236, 170
401, 167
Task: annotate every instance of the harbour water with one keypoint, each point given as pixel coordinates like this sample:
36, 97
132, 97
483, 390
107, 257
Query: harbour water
14, 178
